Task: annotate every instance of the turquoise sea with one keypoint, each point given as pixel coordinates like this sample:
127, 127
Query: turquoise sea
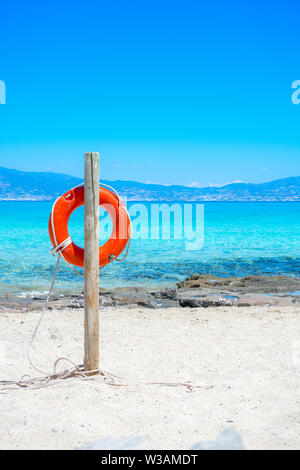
239, 239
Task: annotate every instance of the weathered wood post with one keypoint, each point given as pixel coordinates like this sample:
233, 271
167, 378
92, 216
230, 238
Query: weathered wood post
91, 261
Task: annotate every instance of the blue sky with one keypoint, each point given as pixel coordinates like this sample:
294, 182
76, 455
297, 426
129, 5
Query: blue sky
182, 92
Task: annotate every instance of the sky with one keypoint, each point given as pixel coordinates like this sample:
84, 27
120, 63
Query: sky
171, 92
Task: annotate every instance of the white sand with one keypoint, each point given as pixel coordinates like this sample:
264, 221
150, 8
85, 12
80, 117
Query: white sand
251, 356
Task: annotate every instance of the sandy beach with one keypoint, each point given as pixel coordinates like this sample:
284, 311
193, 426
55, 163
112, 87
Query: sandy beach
246, 358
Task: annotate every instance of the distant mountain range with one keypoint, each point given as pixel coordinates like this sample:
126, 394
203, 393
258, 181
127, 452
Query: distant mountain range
40, 186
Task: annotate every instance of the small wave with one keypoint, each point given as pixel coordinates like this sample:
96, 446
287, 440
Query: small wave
32, 294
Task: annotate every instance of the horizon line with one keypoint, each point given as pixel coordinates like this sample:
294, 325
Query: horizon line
210, 185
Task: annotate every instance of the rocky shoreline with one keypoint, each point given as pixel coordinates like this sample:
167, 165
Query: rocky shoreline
196, 291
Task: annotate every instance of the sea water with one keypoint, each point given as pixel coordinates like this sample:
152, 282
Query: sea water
239, 239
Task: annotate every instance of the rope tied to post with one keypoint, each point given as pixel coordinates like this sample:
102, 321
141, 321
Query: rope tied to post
62, 246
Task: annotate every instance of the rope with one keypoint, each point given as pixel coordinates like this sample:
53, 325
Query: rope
114, 258
40, 321
62, 246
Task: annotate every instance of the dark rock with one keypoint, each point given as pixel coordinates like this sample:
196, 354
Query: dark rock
196, 291
169, 294
247, 284
139, 297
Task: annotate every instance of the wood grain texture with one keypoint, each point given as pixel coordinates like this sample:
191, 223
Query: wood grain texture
91, 261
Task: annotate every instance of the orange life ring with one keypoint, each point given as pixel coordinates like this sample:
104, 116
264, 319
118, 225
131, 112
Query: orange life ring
58, 226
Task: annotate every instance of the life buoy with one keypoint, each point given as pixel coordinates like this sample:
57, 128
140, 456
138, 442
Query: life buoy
58, 226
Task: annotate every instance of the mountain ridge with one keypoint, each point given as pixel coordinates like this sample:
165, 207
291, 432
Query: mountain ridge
18, 185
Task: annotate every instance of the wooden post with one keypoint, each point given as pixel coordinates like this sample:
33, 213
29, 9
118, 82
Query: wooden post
91, 262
